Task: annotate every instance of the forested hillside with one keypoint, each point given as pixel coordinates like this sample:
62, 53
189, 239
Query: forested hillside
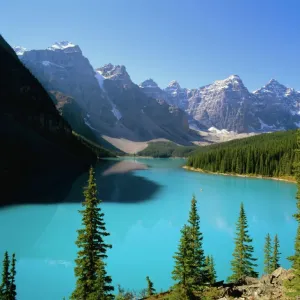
270, 155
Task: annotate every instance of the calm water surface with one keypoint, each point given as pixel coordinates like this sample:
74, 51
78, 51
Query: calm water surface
144, 212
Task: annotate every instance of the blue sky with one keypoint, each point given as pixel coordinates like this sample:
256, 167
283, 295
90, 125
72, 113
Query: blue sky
192, 41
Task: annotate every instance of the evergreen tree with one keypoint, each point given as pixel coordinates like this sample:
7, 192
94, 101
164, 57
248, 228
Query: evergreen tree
197, 258
92, 248
181, 293
150, 288
212, 270
268, 257
207, 268
243, 261
275, 257
294, 285
102, 289
5, 286
12, 284
210, 267
182, 272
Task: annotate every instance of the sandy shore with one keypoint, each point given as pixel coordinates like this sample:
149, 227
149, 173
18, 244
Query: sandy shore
128, 146
292, 180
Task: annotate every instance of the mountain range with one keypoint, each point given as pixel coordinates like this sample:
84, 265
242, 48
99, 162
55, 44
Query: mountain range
112, 105
228, 104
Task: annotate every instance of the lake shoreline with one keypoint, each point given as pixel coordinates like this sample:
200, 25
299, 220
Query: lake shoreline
290, 180
151, 157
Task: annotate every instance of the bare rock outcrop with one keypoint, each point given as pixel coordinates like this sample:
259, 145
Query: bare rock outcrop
266, 288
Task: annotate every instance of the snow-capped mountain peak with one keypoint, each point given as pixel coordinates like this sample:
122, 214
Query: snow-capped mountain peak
275, 88
234, 79
65, 46
233, 82
19, 50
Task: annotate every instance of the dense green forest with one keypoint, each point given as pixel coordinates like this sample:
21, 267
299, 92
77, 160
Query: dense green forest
270, 154
167, 149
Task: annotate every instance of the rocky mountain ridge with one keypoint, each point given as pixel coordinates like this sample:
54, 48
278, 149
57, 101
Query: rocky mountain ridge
223, 105
228, 104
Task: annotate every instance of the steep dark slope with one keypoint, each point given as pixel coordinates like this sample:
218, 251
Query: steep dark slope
73, 114
40, 156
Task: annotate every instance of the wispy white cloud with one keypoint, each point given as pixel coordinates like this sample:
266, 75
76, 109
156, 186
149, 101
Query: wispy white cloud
254, 219
222, 224
287, 217
58, 262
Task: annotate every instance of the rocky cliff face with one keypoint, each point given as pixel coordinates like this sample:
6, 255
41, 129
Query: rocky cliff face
111, 103
141, 117
62, 67
276, 107
40, 150
223, 104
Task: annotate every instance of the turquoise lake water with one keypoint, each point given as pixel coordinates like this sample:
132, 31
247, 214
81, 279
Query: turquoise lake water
144, 212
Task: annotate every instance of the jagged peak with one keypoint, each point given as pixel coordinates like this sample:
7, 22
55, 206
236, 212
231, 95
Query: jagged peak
174, 84
150, 83
19, 50
117, 72
113, 69
274, 86
274, 83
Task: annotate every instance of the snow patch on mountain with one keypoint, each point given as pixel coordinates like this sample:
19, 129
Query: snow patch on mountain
266, 127
19, 50
47, 63
218, 131
116, 112
61, 45
100, 78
